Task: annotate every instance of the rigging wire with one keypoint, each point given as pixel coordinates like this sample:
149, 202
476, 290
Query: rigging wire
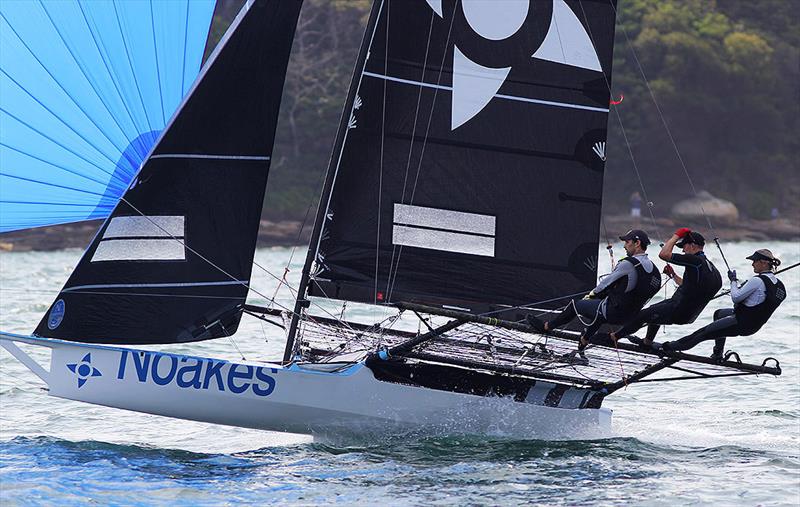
212, 264
668, 131
660, 113
622, 129
427, 130
383, 138
392, 268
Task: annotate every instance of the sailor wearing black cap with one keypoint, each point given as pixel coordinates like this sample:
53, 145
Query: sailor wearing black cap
753, 304
618, 296
699, 283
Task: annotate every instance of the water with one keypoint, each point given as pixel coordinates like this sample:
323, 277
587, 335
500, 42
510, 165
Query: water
729, 441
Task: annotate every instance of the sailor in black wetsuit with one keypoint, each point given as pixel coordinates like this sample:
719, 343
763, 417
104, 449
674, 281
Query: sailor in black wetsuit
753, 304
617, 297
700, 282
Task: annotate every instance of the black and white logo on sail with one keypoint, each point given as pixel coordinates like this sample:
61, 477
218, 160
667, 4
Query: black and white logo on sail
142, 238
599, 149
474, 85
445, 230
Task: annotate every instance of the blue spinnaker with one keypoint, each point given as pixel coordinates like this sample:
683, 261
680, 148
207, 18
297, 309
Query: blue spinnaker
86, 87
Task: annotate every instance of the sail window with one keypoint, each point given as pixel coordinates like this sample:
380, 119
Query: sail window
145, 238
126, 227
445, 230
140, 250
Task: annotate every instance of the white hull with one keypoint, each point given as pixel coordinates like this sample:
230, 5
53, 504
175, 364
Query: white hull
297, 399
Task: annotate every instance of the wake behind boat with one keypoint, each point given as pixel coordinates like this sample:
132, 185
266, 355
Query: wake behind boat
470, 142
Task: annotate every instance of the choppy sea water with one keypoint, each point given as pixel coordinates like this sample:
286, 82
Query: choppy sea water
732, 441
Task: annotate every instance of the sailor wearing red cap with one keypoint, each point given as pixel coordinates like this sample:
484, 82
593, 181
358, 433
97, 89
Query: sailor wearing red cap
699, 283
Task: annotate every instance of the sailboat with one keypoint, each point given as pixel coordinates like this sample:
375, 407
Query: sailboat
465, 183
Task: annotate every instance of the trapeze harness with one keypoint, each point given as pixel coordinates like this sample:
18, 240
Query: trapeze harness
700, 283
751, 318
622, 305
740, 320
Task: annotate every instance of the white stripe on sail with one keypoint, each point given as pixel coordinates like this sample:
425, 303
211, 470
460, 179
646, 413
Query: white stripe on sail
145, 226
499, 95
155, 285
457, 221
443, 240
140, 250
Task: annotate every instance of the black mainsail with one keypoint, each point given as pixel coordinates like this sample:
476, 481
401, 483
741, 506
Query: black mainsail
170, 264
468, 169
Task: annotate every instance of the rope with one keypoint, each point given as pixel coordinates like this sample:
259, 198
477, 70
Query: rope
660, 113
669, 132
210, 263
609, 247
525, 305
624, 134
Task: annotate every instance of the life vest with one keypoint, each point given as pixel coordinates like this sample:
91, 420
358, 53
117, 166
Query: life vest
751, 318
691, 304
622, 305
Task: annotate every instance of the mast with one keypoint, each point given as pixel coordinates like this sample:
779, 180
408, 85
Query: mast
301, 303
467, 170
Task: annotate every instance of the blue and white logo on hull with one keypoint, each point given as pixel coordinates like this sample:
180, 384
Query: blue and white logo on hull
84, 370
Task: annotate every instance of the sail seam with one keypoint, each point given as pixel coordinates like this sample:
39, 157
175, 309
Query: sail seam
498, 95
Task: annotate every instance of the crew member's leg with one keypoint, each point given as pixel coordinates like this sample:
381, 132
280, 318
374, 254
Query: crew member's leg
565, 317
659, 313
719, 343
724, 325
591, 318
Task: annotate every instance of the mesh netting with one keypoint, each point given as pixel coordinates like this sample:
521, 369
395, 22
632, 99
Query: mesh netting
505, 350
478, 345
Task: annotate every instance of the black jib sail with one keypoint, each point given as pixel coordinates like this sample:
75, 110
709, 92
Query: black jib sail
172, 263
468, 169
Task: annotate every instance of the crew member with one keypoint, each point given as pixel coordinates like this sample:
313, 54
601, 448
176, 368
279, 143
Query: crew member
617, 297
699, 283
753, 304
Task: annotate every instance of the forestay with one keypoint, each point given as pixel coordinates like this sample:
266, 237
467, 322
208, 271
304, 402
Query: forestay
172, 263
468, 168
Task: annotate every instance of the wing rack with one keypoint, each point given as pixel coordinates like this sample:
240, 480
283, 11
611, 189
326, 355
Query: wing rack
510, 348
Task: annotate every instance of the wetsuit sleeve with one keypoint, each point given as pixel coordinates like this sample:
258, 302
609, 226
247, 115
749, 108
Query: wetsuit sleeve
624, 268
739, 294
685, 260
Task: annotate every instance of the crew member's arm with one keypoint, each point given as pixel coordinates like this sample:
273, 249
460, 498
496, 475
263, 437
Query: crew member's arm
666, 250
677, 259
672, 274
739, 294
